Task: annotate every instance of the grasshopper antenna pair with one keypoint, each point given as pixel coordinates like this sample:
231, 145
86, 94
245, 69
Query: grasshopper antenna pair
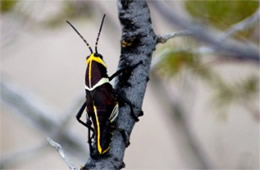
85, 41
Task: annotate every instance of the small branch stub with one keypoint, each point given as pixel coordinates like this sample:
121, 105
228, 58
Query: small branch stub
58, 147
164, 38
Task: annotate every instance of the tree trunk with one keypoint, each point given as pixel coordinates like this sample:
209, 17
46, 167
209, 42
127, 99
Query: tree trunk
137, 44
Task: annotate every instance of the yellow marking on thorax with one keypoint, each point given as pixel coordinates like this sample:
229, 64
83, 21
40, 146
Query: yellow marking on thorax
89, 61
97, 59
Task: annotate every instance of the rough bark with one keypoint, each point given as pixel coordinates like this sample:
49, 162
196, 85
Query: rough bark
137, 44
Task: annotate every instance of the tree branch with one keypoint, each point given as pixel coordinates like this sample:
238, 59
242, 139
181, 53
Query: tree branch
62, 153
240, 26
137, 44
188, 143
165, 37
233, 49
41, 117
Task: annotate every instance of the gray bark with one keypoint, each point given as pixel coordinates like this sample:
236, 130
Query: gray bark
137, 44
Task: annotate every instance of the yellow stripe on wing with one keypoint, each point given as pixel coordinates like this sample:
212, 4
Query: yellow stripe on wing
89, 73
98, 133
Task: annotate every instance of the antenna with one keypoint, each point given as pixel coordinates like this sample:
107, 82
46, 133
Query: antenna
99, 32
80, 36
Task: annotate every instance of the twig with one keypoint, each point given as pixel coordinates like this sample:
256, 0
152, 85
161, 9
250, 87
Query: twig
32, 110
40, 117
206, 50
240, 26
165, 37
62, 153
233, 49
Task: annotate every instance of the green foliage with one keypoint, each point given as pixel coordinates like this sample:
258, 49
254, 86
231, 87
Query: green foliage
219, 13
175, 61
250, 86
240, 93
222, 15
7, 5
225, 94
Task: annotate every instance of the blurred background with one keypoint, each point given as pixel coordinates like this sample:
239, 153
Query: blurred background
201, 108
